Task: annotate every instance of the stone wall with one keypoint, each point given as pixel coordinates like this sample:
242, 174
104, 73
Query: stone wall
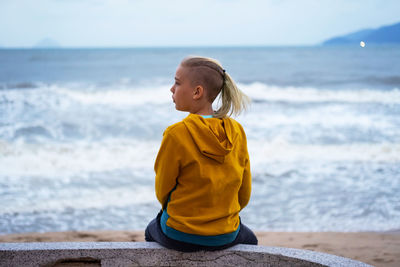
152, 254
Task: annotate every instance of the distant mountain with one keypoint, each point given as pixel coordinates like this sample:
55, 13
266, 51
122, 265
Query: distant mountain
47, 43
383, 35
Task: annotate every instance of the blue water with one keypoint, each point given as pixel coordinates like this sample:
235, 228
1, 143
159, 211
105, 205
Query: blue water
80, 129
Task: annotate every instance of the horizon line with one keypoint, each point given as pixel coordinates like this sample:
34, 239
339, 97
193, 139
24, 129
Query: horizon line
159, 46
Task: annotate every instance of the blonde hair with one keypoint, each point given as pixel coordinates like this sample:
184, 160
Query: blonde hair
211, 75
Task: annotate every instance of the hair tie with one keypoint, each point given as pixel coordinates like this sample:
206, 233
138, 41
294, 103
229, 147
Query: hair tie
223, 75
223, 79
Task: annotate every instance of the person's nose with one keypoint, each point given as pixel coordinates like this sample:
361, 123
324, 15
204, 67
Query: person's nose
172, 89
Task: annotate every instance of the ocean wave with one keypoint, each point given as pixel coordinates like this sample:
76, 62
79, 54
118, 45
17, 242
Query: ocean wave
72, 159
127, 97
22, 159
280, 150
388, 80
303, 115
20, 85
88, 198
32, 131
260, 92
132, 95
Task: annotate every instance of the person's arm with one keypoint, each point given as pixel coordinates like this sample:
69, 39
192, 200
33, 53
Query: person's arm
166, 168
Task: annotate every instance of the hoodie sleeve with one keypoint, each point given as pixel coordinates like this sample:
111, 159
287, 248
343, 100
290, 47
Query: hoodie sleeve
245, 188
166, 167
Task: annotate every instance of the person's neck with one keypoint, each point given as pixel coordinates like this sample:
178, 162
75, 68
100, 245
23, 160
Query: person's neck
204, 111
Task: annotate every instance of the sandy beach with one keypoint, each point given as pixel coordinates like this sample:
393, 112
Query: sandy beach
378, 249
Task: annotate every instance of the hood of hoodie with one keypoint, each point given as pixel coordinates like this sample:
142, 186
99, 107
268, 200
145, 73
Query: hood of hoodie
213, 137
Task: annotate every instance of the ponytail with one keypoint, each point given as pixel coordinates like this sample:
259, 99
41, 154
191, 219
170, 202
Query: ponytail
217, 81
233, 101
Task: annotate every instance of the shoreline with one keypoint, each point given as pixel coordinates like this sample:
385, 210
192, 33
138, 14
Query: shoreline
375, 248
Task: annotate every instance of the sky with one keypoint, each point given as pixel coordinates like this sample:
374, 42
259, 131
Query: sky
138, 23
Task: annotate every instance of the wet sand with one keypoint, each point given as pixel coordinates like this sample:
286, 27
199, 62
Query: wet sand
378, 249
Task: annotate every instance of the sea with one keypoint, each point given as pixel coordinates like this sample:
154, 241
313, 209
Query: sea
80, 130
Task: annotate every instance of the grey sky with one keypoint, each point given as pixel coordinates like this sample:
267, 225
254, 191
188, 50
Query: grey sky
102, 23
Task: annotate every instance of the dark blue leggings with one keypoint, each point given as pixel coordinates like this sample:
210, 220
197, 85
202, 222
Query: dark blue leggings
154, 233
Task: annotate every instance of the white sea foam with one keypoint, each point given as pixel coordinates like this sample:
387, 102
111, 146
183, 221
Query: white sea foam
256, 91
66, 160
326, 116
51, 95
279, 150
20, 159
85, 198
263, 92
124, 96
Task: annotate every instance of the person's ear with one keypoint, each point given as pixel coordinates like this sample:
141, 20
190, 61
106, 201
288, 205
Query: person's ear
198, 92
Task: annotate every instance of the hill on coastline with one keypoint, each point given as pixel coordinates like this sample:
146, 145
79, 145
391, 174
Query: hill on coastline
47, 43
384, 35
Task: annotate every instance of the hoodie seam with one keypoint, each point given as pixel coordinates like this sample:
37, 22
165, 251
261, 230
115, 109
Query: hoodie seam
173, 128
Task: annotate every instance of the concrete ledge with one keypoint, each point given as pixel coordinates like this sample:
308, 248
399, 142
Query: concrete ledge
152, 254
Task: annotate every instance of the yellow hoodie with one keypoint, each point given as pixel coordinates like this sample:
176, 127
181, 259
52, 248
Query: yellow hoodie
203, 179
